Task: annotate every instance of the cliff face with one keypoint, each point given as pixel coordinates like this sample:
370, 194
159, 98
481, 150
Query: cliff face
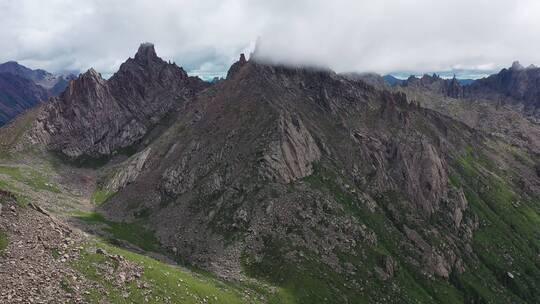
95, 117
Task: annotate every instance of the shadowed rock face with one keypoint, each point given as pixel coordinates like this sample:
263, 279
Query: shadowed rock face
517, 83
22, 88
94, 117
12, 67
18, 94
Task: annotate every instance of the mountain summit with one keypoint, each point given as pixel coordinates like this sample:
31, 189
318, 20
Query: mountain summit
95, 117
146, 53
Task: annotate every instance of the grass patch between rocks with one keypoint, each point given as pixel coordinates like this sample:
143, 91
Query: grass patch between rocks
99, 196
4, 241
134, 233
32, 178
163, 283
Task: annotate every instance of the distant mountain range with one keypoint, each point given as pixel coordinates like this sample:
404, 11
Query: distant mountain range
516, 85
392, 80
22, 88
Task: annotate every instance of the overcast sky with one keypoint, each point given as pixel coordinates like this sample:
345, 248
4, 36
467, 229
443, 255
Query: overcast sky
206, 36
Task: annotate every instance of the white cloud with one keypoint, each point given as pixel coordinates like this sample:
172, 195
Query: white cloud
207, 35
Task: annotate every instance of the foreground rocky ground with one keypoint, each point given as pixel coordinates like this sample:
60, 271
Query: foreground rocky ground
46, 260
34, 266
37, 264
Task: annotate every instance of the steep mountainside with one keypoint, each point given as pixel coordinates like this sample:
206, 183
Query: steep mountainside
95, 117
495, 115
18, 94
517, 84
15, 68
55, 84
22, 88
328, 188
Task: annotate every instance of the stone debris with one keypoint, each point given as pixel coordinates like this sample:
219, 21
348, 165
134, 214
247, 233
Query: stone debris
36, 265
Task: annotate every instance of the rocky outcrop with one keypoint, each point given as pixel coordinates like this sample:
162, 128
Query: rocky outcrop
128, 172
95, 117
424, 175
291, 157
434, 83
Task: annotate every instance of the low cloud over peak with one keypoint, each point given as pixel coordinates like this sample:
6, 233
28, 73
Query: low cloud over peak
206, 36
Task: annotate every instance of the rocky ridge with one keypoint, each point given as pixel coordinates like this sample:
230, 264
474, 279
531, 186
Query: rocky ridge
95, 117
516, 84
295, 134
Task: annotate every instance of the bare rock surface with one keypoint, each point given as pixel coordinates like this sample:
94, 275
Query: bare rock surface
95, 117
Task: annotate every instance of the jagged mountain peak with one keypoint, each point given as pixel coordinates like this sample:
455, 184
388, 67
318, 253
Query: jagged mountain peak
148, 66
91, 73
516, 66
86, 84
146, 53
516, 84
237, 65
242, 59
94, 117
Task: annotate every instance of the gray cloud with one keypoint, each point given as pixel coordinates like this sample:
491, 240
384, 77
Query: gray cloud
206, 36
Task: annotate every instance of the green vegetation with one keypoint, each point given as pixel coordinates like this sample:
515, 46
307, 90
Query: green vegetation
164, 282
55, 253
507, 245
307, 280
14, 131
66, 286
134, 233
30, 177
20, 199
507, 241
99, 196
3, 241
